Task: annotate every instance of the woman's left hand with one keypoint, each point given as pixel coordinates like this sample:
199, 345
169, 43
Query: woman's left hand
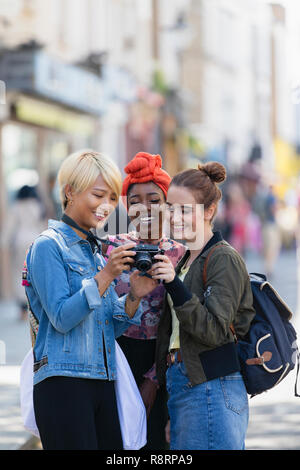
141, 286
163, 269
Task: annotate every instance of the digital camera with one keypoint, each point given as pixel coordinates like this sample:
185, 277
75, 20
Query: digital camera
144, 258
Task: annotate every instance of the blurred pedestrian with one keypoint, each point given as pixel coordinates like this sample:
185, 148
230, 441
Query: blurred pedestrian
208, 403
270, 232
78, 313
145, 189
24, 223
237, 213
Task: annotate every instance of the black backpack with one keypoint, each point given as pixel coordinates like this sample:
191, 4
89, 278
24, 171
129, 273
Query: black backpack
268, 352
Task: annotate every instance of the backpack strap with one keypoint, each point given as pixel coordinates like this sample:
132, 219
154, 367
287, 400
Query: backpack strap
25, 281
204, 277
204, 274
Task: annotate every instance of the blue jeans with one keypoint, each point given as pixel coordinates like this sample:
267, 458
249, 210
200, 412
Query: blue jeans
209, 416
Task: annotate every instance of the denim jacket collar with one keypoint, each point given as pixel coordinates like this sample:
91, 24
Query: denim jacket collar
66, 231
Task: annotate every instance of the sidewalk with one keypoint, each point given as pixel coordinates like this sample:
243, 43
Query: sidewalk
15, 334
274, 422
274, 416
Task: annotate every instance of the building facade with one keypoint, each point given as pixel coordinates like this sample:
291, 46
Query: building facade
72, 71
227, 71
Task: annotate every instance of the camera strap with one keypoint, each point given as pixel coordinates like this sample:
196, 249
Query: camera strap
91, 238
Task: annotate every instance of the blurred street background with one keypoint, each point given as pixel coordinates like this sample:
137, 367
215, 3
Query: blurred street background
192, 80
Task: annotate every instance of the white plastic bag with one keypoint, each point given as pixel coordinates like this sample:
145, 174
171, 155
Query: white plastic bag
26, 394
131, 409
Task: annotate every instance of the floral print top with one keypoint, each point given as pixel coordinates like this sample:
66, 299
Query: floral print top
152, 303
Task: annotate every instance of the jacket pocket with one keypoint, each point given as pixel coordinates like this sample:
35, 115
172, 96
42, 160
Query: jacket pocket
234, 392
78, 268
76, 273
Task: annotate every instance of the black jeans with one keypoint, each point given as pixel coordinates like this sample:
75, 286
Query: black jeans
140, 355
77, 414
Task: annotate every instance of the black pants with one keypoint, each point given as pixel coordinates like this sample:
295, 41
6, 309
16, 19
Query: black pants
77, 414
140, 355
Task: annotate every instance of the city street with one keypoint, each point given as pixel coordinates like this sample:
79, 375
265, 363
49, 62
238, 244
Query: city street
274, 416
100, 97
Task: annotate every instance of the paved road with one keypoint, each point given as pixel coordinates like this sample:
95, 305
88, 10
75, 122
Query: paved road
274, 416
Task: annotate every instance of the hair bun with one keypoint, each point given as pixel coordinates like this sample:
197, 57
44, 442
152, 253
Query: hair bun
216, 171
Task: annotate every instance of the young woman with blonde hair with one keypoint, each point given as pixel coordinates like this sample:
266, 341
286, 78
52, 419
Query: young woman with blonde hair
72, 299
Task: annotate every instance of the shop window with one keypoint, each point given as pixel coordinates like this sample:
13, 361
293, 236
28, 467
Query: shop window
19, 150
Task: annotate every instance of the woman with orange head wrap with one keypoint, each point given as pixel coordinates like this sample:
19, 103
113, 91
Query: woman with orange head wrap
143, 168
144, 193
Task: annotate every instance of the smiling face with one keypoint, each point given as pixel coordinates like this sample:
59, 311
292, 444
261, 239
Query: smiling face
145, 202
181, 208
187, 218
92, 207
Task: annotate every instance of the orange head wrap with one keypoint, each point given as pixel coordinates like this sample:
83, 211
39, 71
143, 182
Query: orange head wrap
145, 167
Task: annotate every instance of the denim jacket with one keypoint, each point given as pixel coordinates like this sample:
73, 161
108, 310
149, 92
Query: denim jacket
76, 326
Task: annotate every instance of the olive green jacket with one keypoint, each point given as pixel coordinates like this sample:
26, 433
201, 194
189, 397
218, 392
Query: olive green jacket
206, 341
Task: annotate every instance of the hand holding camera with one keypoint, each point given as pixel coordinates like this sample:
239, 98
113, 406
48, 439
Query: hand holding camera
163, 269
140, 256
128, 256
120, 259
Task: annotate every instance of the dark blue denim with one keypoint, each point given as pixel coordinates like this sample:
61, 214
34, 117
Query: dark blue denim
209, 416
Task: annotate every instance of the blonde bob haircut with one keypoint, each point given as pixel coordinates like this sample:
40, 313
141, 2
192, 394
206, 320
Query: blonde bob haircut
81, 169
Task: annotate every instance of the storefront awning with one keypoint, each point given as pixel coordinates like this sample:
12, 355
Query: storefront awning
37, 73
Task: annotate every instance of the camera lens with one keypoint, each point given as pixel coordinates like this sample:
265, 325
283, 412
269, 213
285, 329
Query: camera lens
143, 261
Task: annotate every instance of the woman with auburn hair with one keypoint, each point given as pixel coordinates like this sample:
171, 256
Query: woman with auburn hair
208, 302
77, 314
144, 193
